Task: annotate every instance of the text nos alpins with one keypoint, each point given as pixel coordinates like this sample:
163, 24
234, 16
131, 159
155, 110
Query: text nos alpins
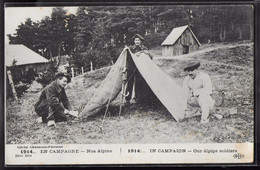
77, 151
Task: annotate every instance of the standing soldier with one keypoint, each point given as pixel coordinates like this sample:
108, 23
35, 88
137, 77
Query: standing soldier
138, 46
136, 83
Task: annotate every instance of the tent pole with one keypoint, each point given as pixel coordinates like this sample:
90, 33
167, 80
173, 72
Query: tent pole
124, 84
109, 101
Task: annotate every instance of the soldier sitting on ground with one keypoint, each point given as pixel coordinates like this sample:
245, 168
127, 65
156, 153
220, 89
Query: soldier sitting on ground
53, 104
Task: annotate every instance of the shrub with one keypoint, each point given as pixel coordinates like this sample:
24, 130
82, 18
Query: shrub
99, 59
22, 80
48, 76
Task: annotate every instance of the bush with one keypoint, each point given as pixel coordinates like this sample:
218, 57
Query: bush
48, 76
99, 59
79, 60
21, 80
114, 53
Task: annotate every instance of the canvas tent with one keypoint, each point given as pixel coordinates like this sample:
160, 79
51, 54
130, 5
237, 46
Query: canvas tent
163, 86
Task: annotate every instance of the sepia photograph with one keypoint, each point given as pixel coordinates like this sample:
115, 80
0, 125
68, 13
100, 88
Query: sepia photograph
127, 84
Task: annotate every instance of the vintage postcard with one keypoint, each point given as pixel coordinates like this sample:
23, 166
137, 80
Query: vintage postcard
129, 84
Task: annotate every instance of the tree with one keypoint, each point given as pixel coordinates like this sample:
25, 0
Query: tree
48, 76
44, 40
84, 29
69, 45
57, 30
25, 34
106, 29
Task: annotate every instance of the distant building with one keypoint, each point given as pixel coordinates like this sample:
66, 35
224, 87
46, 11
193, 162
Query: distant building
180, 41
24, 58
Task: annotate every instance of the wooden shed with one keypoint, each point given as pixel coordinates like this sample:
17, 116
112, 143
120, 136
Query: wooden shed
180, 41
24, 58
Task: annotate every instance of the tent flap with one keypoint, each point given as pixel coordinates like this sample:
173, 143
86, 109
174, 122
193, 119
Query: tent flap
109, 88
167, 91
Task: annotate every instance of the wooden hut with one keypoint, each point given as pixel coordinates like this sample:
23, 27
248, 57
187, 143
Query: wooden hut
24, 58
180, 41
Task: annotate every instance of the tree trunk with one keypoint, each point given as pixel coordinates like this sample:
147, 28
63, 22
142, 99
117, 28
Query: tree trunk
155, 27
210, 34
50, 54
240, 32
224, 33
251, 33
221, 35
232, 26
251, 30
59, 57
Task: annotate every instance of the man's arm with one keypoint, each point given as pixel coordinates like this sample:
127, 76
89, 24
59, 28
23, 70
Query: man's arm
146, 51
65, 100
53, 100
186, 91
207, 86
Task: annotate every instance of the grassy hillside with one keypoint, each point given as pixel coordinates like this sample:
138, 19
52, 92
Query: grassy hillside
232, 74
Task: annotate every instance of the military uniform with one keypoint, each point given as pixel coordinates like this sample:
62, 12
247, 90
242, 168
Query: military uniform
52, 103
143, 93
141, 48
198, 90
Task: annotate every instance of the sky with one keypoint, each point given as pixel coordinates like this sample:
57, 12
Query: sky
14, 16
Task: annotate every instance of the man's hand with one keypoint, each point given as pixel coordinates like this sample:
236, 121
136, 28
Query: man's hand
191, 94
126, 48
137, 54
74, 113
146, 52
66, 111
196, 93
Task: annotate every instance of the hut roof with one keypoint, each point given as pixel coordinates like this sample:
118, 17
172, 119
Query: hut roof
176, 33
22, 55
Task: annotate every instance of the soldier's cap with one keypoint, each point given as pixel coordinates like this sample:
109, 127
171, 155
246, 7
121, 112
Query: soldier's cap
192, 65
138, 36
61, 74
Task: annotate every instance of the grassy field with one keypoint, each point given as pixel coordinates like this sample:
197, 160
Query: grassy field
230, 67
